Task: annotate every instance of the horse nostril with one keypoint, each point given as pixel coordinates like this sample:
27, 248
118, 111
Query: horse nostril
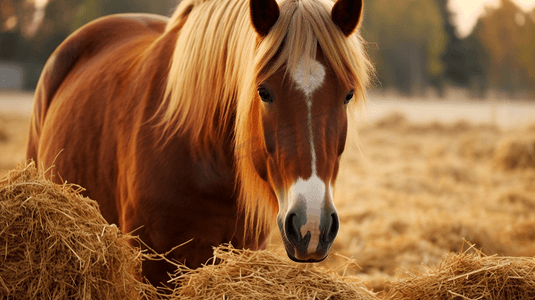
333, 230
291, 229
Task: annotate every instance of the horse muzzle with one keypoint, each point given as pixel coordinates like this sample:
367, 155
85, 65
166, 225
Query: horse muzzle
308, 238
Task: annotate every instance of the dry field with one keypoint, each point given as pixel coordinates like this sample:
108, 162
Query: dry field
416, 190
13, 138
410, 192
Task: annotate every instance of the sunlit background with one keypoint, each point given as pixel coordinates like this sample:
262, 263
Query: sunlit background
447, 153
478, 45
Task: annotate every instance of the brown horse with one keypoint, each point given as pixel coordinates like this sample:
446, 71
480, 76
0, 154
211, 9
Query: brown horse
208, 125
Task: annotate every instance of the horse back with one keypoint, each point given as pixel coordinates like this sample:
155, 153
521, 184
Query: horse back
97, 37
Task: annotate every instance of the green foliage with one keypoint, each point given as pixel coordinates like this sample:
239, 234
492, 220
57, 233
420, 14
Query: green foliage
508, 35
417, 46
411, 40
31, 46
465, 60
89, 10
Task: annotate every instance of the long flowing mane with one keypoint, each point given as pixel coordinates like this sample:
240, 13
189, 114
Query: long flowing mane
214, 45
218, 63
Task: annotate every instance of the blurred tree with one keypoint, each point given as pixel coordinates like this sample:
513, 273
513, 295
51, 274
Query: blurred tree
30, 30
508, 35
8, 19
89, 10
476, 64
528, 53
465, 60
19, 43
411, 40
454, 56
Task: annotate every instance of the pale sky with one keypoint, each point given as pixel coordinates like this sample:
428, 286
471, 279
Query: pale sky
467, 12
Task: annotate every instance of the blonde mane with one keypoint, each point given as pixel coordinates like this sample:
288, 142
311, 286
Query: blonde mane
214, 45
218, 63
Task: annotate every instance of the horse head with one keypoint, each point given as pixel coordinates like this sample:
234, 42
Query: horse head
302, 130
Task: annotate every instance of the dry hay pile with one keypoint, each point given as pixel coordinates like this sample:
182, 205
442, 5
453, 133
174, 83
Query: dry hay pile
471, 276
55, 244
3, 133
245, 274
512, 154
397, 121
13, 141
4, 123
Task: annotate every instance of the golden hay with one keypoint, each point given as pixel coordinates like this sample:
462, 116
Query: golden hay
392, 120
398, 121
13, 140
55, 244
478, 145
513, 154
4, 123
245, 274
471, 276
3, 131
3, 135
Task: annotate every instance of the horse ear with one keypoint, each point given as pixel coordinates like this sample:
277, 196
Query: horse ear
264, 14
346, 14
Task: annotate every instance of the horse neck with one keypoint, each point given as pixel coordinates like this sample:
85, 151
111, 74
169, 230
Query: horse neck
217, 151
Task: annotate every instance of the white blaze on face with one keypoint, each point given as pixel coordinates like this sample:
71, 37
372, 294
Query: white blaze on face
311, 193
313, 190
308, 77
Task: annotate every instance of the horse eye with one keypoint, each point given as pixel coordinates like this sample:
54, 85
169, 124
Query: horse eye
348, 97
264, 95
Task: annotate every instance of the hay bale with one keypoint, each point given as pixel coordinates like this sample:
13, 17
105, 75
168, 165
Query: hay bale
399, 122
55, 244
245, 274
515, 154
449, 235
4, 136
393, 120
471, 276
477, 146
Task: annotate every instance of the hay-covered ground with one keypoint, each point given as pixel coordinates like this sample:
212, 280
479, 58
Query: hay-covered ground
412, 192
418, 189
13, 138
57, 245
